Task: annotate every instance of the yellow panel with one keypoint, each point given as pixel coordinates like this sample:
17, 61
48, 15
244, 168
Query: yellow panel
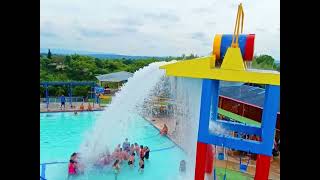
202, 68
233, 60
216, 45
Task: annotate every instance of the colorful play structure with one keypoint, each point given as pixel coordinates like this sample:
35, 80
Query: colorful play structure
230, 61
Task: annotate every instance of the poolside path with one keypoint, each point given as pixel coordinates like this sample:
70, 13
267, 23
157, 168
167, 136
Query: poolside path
55, 107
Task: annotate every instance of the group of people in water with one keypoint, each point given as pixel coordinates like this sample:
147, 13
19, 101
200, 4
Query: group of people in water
128, 153
125, 154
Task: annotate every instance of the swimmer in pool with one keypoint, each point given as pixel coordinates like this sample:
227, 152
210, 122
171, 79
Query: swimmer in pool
141, 165
146, 152
116, 166
131, 160
141, 152
131, 149
72, 169
126, 145
136, 148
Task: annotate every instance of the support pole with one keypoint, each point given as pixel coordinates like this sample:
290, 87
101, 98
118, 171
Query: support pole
200, 161
207, 89
47, 96
215, 99
262, 167
70, 95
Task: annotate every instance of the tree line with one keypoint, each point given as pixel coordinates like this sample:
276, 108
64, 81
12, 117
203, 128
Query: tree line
85, 68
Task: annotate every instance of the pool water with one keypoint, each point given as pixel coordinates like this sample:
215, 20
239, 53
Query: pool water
62, 133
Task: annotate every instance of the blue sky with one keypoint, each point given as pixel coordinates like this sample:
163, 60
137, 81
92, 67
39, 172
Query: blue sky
155, 28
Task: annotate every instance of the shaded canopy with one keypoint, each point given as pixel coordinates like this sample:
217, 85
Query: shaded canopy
115, 77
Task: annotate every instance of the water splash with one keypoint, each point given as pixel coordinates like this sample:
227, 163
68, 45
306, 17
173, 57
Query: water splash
137, 95
116, 118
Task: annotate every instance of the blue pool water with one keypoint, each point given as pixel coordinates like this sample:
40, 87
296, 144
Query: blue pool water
62, 133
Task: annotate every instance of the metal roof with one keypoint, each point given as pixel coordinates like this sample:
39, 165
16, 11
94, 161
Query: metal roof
115, 77
249, 94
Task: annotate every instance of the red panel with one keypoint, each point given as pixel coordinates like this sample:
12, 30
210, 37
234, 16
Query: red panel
250, 111
249, 49
209, 159
200, 161
262, 167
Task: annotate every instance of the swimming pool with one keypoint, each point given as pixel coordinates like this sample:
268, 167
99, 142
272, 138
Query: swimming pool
62, 133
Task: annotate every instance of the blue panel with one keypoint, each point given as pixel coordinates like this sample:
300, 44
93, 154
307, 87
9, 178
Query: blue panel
238, 127
226, 42
47, 96
207, 87
269, 116
215, 99
236, 143
43, 171
70, 94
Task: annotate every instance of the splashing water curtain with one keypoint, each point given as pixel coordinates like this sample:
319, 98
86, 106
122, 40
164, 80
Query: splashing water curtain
235, 51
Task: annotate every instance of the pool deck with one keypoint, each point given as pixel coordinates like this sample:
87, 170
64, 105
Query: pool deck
233, 160
55, 107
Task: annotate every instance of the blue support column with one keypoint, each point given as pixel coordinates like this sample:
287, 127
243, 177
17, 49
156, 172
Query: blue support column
269, 116
70, 94
47, 96
215, 99
206, 94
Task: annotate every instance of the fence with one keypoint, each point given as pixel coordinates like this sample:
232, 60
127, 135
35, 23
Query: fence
57, 99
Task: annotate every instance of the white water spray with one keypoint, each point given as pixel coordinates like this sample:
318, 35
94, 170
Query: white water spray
115, 119
136, 96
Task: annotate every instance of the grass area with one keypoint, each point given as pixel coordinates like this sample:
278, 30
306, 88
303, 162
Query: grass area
238, 118
231, 174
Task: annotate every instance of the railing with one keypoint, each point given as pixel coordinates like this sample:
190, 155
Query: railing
57, 99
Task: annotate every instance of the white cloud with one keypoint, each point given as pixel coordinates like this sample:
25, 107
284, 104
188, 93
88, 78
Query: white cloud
148, 27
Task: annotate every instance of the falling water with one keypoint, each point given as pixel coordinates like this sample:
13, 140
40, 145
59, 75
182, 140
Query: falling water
137, 96
116, 117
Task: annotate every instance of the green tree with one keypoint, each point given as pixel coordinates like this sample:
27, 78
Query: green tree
264, 62
49, 54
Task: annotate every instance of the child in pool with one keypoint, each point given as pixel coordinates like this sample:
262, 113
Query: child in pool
72, 168
141, 165
116, 166
120, 155
136, 148
131, 149
131, 160
142, 152
146, 152
125, 155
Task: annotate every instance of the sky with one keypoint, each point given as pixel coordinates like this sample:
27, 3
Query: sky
155, 28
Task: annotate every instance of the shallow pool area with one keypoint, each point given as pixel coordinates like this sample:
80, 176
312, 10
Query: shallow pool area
62, 133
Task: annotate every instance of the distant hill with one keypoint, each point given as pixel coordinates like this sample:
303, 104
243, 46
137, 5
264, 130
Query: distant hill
93, 54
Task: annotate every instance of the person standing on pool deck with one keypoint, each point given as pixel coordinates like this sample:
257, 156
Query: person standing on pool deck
164, 130
63, 102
